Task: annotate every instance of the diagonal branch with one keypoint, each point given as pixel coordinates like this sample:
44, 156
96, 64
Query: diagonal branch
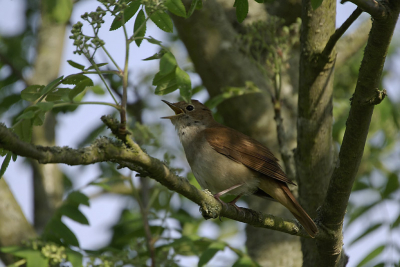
377, 9
339, 32
106, 149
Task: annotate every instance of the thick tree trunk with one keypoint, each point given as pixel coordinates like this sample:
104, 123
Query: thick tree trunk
314, 153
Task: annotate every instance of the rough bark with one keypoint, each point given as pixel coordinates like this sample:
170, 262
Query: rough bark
14, 228
314, 153
366, 95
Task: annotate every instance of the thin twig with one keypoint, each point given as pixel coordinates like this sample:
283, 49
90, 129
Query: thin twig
339, 32
146, 226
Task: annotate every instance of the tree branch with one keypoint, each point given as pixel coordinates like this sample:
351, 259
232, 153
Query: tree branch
106, 149
339, 32
377, 9
362, 105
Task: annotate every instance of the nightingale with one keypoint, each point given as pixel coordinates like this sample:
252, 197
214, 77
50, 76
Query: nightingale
226, 161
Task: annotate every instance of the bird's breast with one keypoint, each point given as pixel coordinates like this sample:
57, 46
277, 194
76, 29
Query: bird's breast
216, 172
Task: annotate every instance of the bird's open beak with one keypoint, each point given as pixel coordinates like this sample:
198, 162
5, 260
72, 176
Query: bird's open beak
177, 110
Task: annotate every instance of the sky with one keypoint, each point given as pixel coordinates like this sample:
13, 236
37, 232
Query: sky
69, 134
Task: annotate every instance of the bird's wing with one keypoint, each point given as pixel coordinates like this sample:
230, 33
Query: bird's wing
241, 148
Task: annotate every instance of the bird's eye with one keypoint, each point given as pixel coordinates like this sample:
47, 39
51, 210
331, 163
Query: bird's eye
190, 108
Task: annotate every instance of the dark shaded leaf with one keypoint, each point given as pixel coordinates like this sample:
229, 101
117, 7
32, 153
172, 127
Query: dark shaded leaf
244, 261
373, 254
5, 164
38, 120
45, 106
156, 56
51, 85
129, 12
26, 115
160, 79
56, 228
76, 65
153, 41
32, 92
242, 8
79, 88
78, 198
391, 185
34, 258
73, 213
316, 3
176, 7
210, 252
24, 130
74, 257
139, 29
97, 65
74, 79
58, 94
194, 5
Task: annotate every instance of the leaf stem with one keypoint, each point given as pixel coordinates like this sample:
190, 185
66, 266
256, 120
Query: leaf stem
111, 58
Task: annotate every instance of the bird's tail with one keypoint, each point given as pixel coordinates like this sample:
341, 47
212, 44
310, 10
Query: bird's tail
282, 194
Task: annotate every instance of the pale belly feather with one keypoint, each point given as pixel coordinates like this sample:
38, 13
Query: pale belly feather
217, 172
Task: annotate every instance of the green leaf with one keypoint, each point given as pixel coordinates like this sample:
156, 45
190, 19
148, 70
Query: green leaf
167, 64
57, 228
210, 252
316, 3
156, 55
32, 92
51, 85
58, 94
74, 79
97, 65
161, 79
97, 89
14, 157
244, 261
73, 213
139, 29
176, 7
360, 185
34, 258
166, 88
79, 88
242, 8
194, 5
78, 198
153, 41
131, 10
45, 106
8, 101
76, 65
162, 20
5, 164
369, 230
391, 185
26, 115
38, 120
74, 257
371, 255
24, 130
184, 83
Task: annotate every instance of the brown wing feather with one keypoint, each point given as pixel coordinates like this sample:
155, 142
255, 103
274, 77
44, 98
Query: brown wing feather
241, 148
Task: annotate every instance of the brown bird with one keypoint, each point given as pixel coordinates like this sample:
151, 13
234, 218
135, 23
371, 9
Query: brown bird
224, 160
